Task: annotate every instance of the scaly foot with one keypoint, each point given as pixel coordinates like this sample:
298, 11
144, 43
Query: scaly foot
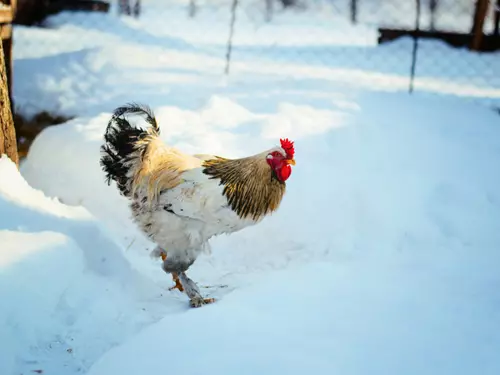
177, 282
175, 276
195, 298
199, 301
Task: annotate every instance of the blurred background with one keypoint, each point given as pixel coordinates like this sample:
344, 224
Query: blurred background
76, 57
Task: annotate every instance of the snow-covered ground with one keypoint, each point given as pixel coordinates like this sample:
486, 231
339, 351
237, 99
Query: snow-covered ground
383, 258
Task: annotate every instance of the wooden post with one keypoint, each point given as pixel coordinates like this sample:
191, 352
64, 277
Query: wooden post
137, 8
269, 10
354, 11
192, 8
413, 68
234, 5
8, 143
496, 30
432, 8
477, 27
6, 18
6, 36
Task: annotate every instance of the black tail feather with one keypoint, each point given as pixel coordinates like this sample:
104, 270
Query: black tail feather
121, 138
137, 109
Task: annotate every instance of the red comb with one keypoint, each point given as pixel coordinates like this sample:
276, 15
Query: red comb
287, 145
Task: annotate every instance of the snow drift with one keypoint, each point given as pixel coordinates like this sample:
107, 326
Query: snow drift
383, 258
388, 255
63, 281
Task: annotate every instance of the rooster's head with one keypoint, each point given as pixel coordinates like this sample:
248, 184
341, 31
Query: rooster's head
281, 158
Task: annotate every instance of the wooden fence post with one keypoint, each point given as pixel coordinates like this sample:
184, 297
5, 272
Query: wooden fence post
496, 21
433, 4
8, 143
6, 18
354, 11
477, 27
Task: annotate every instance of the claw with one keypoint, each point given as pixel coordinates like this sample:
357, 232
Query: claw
178, 284
198, 302
175, 276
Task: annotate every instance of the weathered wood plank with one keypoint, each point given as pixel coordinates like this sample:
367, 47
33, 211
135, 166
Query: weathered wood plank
7, 44
5, 31
6, 15
13, 5
489, 43
7, 10
78, 5
32, 12
8, 141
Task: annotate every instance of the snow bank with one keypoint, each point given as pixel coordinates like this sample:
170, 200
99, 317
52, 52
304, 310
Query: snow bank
382, 259
62, 280
345, 318
36, 269
385, 247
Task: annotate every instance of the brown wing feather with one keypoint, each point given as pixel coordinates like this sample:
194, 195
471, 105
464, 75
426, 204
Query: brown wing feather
250, 186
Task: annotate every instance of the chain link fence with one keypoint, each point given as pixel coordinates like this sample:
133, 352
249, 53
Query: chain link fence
73, 55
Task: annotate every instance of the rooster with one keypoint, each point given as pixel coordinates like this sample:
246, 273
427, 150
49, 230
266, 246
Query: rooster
180, 201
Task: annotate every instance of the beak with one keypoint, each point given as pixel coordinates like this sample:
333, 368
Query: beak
290, 161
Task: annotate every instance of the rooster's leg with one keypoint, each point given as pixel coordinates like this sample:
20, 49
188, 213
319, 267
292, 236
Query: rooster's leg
175, 275
177, 282
195, 298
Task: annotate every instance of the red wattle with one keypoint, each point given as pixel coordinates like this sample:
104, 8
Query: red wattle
285, 172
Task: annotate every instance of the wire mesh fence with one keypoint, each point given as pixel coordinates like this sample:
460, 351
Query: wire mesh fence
367, 44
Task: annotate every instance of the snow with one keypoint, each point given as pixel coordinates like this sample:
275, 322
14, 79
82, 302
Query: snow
62, 279
391, 256
383, 258
364, 330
